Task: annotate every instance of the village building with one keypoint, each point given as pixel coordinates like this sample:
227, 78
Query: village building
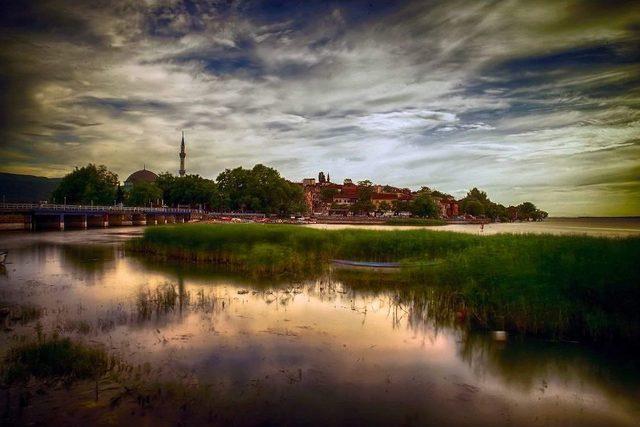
143, 175
383, 198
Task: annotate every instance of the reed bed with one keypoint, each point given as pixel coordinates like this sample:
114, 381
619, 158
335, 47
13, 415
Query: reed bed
560, 286
419, 222
290, 248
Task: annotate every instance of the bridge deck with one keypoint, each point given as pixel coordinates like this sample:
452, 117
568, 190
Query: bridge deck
44, 208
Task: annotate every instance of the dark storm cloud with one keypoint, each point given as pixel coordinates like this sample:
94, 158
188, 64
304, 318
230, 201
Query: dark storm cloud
118, 106
51, 18
522, 98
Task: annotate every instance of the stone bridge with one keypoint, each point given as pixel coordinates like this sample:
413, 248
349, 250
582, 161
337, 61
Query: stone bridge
45, 216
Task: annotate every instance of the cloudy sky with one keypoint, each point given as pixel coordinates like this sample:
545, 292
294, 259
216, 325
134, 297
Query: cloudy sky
528, 100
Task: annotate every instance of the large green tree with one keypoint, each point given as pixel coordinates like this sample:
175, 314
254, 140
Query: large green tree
401, 206
424, 206
363, 205
144, 194
528, 211
86, 185
474, 207
477, 203
260, 189
192, 190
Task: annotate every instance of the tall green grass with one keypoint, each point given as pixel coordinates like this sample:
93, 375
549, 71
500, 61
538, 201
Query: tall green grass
428, 222
563, 286
290, 247
560, 286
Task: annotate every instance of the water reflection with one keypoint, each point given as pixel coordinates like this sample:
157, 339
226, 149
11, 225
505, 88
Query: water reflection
344, 347
92, 260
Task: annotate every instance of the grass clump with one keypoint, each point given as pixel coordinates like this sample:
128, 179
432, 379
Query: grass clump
18, 313
419, 222
247, 247
55, 358
162, 299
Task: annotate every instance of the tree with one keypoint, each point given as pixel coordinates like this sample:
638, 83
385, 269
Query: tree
327, 194
478, 195
440, 194
539, 215
89, 184
529, 211
474, 207
192, 190
363, 205
144, 194
401, 206
476, 203
495, 211
260, 189
526, 210
119, 195
424, 206
384, 207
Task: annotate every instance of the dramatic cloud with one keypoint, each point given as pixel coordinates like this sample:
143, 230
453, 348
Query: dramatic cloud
528, 100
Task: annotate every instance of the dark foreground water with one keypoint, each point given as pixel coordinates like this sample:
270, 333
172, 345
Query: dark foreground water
334, 350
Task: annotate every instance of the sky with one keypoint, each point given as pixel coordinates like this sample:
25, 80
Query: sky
527, 100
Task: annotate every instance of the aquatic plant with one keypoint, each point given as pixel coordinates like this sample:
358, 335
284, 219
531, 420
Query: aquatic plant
54, 358
560, 286
162, 299
18, 313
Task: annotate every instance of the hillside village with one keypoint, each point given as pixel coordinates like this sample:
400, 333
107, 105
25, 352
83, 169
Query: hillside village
324, 197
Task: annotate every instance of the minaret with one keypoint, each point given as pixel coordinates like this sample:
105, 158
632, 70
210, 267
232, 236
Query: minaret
182, 156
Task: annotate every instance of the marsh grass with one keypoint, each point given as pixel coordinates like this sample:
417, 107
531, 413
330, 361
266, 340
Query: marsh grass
55, 358
162, 299
169, 298
560, 286
18, 314
285, 248
418, 222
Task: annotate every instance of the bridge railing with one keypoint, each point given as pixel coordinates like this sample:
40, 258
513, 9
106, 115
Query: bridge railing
92, 208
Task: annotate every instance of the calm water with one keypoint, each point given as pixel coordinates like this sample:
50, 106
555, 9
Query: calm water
324, 351
612, 227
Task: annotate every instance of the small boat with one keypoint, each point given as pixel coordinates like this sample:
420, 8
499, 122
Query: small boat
366, 264
3, 255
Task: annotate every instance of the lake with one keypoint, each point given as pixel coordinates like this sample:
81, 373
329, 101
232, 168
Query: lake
329, 350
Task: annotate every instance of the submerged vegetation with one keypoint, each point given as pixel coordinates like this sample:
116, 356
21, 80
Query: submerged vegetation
21, 314
559, 286
55, 358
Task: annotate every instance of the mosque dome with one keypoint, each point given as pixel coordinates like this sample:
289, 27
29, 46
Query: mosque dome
142, 175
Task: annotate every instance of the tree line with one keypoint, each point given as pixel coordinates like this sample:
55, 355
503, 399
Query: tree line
478, 204
260, 189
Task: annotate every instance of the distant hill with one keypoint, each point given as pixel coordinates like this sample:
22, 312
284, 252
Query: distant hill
26, 188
